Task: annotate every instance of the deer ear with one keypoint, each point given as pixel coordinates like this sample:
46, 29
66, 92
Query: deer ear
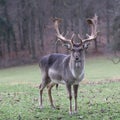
68, 46
86, 44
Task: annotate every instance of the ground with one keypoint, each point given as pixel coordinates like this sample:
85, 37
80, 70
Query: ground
98, 95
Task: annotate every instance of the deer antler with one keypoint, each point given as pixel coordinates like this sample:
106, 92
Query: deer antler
66, 41
69, 42
93, 23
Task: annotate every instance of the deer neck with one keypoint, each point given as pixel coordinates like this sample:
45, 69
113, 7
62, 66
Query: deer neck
77, 67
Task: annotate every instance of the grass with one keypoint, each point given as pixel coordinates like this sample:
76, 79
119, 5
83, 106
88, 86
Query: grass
98, 99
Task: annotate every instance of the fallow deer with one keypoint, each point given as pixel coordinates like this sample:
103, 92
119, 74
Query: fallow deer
65, 69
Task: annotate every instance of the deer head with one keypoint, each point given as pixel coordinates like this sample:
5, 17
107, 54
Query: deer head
77, 48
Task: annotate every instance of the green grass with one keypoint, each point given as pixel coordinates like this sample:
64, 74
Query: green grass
101, 68
98, 99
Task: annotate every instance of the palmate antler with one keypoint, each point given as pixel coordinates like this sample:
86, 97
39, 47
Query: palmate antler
92, 22
66, 41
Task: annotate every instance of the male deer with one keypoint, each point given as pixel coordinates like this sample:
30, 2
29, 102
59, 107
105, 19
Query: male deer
59, 68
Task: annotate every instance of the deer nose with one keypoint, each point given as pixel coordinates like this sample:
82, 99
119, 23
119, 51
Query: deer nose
77, 58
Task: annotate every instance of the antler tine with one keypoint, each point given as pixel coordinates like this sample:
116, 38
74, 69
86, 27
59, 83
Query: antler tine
72, 41
56, 22
94, 27
80, 38
67, 33
72, 36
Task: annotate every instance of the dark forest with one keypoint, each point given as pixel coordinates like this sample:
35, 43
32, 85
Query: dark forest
27, 32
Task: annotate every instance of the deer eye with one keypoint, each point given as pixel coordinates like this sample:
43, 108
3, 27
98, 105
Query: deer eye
80, 50
73, 50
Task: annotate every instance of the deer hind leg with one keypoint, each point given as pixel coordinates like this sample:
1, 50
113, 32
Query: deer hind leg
70, 98
45, 82
49, 93
75, 88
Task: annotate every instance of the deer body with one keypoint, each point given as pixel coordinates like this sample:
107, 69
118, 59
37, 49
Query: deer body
60, 69
66, 69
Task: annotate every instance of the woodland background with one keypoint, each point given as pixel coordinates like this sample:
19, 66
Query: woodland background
27, 32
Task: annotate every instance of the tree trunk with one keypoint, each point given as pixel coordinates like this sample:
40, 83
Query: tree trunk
107, 22
33, 52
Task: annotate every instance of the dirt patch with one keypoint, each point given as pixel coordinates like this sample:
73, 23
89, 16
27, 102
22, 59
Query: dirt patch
101, 82
106, 81
21, 83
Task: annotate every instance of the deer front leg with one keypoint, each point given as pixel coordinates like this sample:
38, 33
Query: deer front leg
70, 98
49, 94
41, 87
75, 88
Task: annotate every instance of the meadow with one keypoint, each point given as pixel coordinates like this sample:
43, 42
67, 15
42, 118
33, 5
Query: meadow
98, 96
